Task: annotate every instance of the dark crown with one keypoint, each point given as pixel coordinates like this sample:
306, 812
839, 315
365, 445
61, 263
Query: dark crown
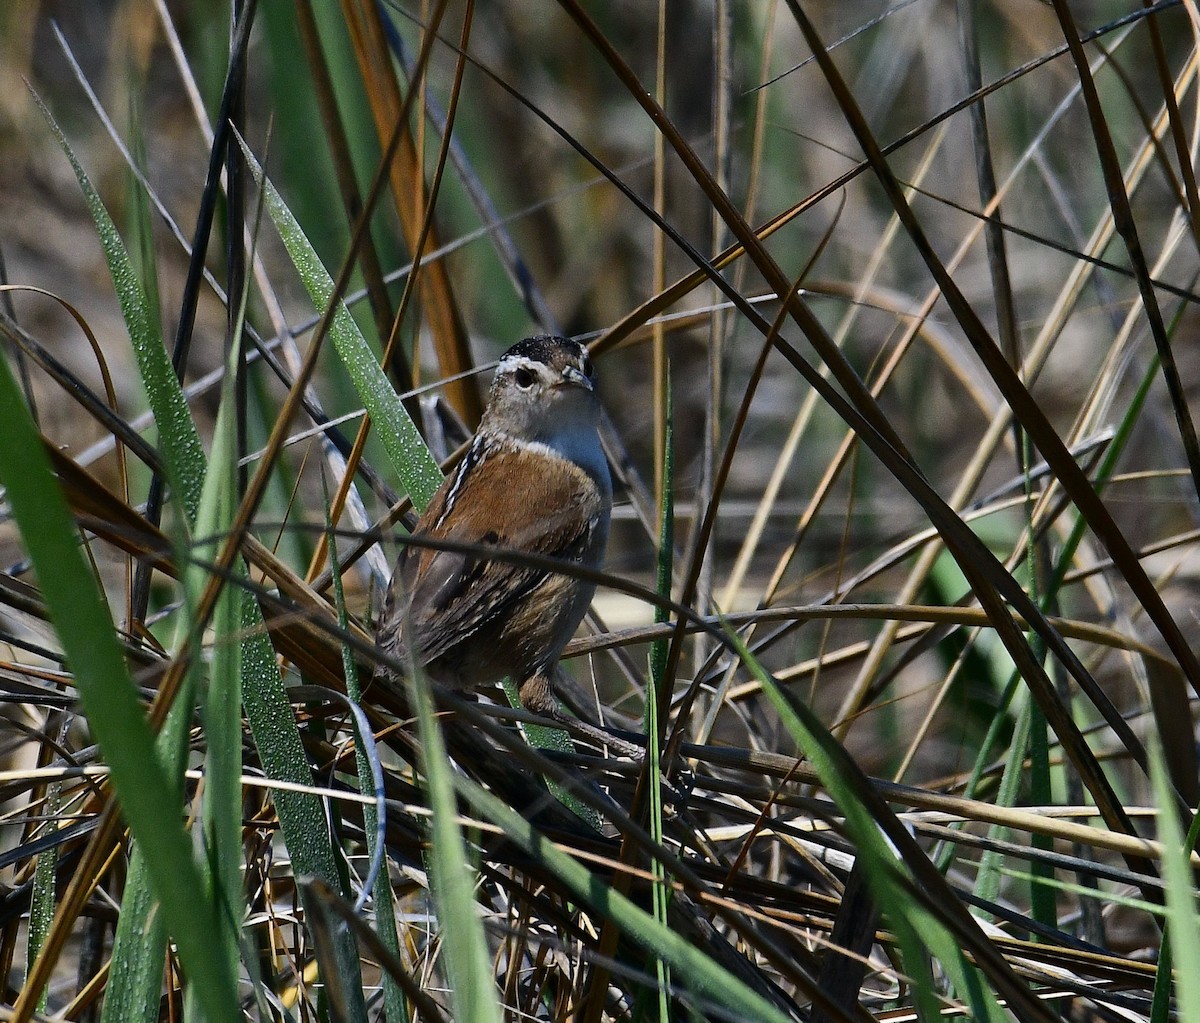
542, 348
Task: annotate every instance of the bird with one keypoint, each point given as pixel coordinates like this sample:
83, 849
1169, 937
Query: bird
533, 480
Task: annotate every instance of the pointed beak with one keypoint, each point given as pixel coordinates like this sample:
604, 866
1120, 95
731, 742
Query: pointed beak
573, 376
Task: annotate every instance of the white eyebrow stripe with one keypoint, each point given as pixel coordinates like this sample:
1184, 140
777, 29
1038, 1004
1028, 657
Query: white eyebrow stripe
511, 362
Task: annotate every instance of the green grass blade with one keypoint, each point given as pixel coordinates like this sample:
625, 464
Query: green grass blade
221, 703
177, 434
692, 968
135, 982
558, 741
987, 879
141, 225
139, 952
277, 739
657, 680
41, 905
1183, 918
110, 700
134, 988
473, 992
416, 467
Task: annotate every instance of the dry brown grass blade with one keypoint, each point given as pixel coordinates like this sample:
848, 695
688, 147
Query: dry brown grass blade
110, 517
958, 808
1053, 449
408, 192
985, 172
1027, 411
1040, 351
335, 133
392, 345
1178, 130
1127, 227
862, 291
994, 586
930, 614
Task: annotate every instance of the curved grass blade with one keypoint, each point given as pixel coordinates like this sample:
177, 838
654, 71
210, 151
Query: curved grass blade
177, 436
394, 1002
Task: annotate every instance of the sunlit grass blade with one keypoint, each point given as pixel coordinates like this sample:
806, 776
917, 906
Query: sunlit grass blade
114, 712
1182, 913
410, 456
452, 880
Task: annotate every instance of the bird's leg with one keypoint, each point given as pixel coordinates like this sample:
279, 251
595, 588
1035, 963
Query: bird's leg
537, 698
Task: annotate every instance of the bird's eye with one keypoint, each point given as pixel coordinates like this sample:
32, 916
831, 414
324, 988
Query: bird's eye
589, 370
524, 378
